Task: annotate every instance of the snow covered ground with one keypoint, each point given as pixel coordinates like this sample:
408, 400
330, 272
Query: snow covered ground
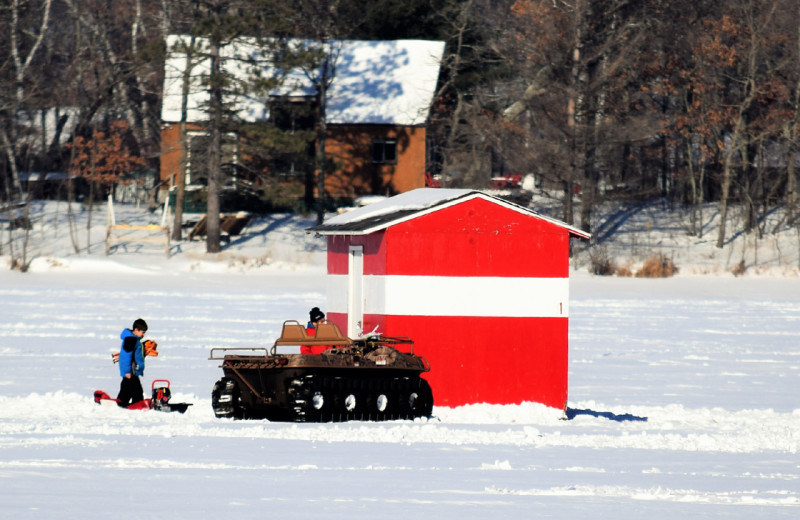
683, 399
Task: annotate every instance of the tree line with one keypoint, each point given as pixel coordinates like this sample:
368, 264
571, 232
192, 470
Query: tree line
689, 101
692, 102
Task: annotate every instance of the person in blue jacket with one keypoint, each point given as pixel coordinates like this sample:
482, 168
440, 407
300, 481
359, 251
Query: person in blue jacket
131, 364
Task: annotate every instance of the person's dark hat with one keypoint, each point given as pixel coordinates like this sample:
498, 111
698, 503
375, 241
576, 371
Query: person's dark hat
315, 315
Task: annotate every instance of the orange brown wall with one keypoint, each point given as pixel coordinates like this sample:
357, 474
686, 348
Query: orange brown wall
171, 152
351, 147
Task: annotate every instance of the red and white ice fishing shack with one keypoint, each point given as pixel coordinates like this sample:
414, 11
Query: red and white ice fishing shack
480, 284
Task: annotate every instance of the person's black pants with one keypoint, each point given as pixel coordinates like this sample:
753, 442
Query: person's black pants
130, 391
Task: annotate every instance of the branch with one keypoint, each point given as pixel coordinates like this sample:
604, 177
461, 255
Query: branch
42, 30
536, 88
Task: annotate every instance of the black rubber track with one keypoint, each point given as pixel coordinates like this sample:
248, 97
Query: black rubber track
316, 398
226, 399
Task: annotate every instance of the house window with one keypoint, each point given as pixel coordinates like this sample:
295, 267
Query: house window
384, 151
292, 157
197, 158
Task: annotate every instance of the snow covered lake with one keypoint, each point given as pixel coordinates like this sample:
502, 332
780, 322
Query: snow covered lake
683, 402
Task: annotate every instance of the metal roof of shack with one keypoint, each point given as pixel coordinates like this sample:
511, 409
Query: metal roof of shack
416, 203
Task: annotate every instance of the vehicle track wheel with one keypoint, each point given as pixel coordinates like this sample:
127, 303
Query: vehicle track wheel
381, 403
383, 400
307, 399
226, 399
425, 399
418, 398
320, 401
351, 400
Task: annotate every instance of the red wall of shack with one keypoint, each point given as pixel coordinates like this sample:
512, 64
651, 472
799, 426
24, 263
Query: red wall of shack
474, 359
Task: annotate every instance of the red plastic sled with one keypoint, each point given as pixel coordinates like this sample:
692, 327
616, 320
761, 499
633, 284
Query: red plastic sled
160, 400
103, 398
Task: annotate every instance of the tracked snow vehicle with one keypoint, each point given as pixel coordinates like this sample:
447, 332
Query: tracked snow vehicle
369, 379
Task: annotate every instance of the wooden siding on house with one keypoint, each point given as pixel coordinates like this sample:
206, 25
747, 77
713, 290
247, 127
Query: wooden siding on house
350, 147
171, 152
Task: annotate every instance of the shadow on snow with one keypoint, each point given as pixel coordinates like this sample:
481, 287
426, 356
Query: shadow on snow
574, 412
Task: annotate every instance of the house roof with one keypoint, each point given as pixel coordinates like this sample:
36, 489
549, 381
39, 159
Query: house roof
416, 203
388, 82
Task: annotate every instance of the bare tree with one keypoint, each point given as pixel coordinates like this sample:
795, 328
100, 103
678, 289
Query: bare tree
23, 47
791, 130
125, 42
579, 100
748, 24
190, 50
26, 29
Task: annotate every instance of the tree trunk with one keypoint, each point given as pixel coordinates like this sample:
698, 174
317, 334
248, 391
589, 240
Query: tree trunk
726, 189
693, 227
90, 204
214, 152
791, 179
452, 137
73, 228
739, 128
576, 112
322, 130
748, 188
180, 181
20, 68
10, 182
790, 135
594, 149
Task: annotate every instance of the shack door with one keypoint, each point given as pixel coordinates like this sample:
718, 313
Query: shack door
355, 291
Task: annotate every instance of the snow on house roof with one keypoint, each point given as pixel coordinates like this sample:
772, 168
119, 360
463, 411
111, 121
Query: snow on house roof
388, 82
415, 203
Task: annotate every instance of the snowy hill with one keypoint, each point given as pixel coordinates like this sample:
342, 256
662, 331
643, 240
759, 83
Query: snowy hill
631, 233
270, 242
625, 234
682, 396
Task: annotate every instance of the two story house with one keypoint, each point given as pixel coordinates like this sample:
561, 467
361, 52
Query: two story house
377, 108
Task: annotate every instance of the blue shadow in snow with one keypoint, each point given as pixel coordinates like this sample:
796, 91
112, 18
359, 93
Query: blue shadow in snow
574, 412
